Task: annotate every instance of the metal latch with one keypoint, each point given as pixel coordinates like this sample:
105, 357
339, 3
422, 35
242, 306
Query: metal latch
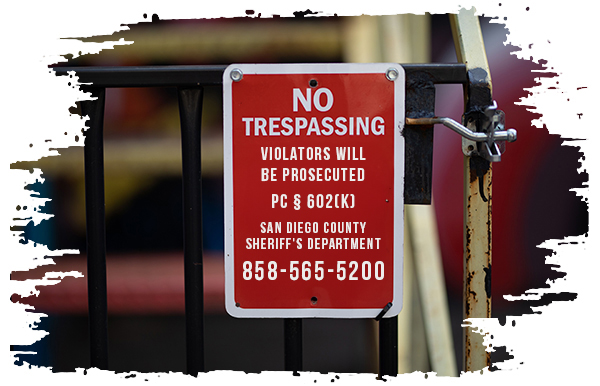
487, 140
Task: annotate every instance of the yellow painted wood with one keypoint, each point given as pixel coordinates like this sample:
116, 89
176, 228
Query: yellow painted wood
429, 271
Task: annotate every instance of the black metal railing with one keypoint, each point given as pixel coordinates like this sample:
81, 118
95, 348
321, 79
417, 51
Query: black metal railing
190, 80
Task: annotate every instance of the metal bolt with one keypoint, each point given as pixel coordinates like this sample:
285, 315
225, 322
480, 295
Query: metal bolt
392, 74
511, 134
236, 75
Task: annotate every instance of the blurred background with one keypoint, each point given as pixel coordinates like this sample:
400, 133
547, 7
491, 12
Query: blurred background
144, 232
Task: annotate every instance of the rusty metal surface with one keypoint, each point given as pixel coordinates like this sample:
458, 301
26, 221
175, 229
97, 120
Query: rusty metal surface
477, 203
420, 103
477, 260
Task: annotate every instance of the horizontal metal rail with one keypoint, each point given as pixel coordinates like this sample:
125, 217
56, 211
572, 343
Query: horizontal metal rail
147, 76
212, 75
509, 135
439, 73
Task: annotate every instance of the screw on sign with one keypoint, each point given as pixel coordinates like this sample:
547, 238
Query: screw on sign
314, 181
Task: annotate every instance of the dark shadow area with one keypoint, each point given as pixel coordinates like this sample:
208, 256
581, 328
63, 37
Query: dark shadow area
156, 343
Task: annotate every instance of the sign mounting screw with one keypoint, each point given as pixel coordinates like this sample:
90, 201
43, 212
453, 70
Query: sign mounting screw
391, 74
236, 74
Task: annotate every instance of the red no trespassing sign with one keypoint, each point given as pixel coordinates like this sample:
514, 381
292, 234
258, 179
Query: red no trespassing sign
314, 183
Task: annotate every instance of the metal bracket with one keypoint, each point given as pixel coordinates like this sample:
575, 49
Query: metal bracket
383, 311
487, 140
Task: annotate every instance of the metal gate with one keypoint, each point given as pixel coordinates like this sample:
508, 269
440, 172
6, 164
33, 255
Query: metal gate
189, 81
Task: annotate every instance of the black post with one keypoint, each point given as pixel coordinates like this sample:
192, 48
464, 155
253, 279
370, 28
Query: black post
420, 103
292, 329
388, 346
96, 229
190, 115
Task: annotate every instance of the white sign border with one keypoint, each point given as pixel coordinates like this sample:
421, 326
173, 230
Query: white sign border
314, 68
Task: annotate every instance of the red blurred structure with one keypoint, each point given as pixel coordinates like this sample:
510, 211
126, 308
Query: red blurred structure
137, 284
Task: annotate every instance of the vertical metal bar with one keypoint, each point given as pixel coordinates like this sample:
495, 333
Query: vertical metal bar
388, 346
477, 206
190, 115
96, 229
420, 103
292, 330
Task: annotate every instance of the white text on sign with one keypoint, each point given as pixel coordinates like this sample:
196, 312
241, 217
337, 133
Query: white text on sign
286, 126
